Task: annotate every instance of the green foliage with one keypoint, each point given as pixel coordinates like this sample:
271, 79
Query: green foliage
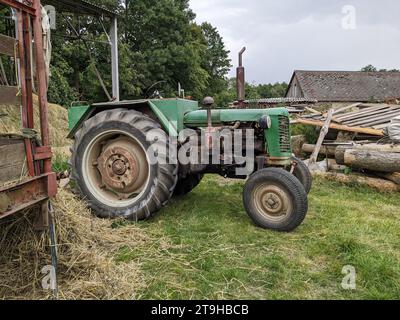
310, 132
60, 163
215, 61
159, 43
253, 91
60, 90
371, 68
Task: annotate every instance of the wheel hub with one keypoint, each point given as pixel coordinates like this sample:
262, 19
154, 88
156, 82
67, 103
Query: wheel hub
119, 169
271, 201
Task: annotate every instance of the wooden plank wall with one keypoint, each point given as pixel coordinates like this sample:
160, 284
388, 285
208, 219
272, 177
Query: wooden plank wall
7, 46
12, 159
8, 96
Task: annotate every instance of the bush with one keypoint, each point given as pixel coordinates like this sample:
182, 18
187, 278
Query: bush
310, 132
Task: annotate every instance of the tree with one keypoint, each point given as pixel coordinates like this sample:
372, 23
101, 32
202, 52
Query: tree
371, 68
159, 42
216, 60
164, 34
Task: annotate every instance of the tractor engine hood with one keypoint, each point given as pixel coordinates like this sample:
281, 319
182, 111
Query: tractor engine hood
219, 117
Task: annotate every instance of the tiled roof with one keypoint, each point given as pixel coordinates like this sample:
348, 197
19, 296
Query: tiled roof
339, 86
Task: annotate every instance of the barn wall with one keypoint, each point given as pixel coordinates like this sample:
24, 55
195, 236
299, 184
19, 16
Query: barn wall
294, 90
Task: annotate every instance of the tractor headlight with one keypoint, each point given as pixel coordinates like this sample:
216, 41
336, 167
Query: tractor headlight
265, 122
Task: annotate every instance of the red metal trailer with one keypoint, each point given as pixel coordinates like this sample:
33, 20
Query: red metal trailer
40, 183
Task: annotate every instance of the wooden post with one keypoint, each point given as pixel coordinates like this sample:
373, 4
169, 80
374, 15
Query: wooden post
324, 132
42, 82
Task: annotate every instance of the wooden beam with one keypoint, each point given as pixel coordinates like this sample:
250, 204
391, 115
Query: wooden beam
8, 46
343, 109
342, 127
325, 129
8, 95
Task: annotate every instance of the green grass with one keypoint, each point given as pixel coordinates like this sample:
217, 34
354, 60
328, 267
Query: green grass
205, 247
60, 163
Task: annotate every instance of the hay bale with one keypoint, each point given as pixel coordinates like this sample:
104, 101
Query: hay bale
58, 122
87, 247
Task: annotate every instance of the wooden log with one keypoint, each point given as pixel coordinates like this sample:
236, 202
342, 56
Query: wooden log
339, 154
309, 148
378, 147
297, 144
394, 177
380, 185
372, 160
382, 148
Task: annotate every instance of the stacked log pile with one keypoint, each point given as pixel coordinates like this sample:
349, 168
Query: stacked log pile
362, 153
372, 157
372, 164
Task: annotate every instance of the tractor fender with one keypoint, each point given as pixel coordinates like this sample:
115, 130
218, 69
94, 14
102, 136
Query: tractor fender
79, 114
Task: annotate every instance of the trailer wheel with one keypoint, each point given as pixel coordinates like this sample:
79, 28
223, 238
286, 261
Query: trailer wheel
275, 199
187, 184
302, 173
115, 168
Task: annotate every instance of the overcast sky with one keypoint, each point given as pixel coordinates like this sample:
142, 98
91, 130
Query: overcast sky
285, 35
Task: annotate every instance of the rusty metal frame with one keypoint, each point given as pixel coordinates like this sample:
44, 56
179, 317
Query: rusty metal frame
25, 6
41, 184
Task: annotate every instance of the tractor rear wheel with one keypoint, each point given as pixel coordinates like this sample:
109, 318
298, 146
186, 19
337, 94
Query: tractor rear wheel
275, 199
302, 173
187, 184
115, 168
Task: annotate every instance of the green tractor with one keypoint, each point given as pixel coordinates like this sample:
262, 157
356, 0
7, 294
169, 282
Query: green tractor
131, 157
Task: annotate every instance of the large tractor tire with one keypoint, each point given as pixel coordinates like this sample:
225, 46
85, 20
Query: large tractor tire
187, 184
113, 165
275, 199
303, 174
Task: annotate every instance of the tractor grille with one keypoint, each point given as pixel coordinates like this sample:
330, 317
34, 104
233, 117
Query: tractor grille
284, 135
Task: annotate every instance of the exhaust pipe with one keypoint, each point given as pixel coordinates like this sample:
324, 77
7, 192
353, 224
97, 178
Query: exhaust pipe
240, 78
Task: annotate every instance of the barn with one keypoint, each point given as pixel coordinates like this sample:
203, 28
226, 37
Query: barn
345, 86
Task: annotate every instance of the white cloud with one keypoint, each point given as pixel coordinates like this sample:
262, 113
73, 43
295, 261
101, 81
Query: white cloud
304, 34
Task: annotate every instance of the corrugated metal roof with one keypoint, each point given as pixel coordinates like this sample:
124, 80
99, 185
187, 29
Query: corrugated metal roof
281, 101
348, 86
364, 116
79, 6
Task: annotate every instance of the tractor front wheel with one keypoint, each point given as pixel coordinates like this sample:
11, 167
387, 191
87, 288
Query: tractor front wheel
113, 165
302, 173
275, 199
